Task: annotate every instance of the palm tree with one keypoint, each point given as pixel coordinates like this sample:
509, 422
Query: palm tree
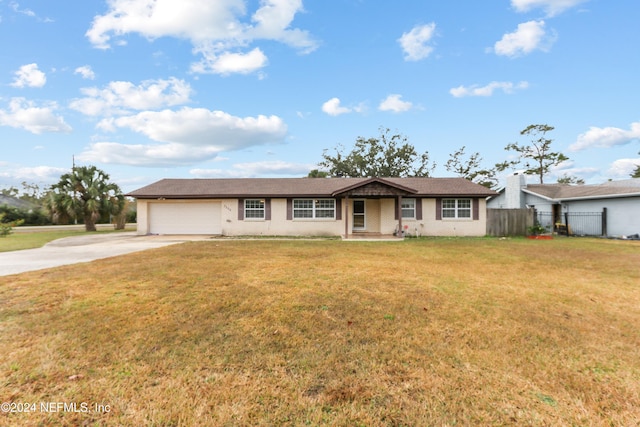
85, 193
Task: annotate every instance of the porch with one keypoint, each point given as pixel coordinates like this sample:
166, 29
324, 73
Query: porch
373, 210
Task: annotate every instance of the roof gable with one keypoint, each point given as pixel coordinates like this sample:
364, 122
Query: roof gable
374, 187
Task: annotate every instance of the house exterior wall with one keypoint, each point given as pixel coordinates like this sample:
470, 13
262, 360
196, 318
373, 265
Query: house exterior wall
498, 202
623, 213
373, 215
540, 203
278, 225
430, 226
381, 218
142, 217
388, 221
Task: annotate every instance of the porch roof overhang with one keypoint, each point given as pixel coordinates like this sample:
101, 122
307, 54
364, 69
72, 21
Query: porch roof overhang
374, 187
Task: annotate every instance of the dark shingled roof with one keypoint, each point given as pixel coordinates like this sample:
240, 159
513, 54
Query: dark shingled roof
301, 187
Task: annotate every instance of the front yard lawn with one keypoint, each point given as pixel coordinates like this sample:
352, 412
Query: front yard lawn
18, 241
262, 333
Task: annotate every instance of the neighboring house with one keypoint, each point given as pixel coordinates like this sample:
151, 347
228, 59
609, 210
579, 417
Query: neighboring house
313, 206
611, 209
14, 202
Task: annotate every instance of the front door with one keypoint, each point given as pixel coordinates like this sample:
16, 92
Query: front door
359, 223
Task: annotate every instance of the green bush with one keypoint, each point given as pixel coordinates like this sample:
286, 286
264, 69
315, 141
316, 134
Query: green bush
536, 230
6, 227
35, 216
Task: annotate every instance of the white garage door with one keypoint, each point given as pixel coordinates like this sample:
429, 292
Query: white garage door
185, 218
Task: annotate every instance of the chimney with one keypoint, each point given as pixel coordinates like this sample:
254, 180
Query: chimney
513, 191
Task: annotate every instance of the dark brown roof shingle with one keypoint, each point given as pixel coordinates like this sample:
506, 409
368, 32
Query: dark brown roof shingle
299, 187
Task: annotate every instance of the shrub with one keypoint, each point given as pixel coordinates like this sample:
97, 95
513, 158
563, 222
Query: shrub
34, 216
6, 228
536, 229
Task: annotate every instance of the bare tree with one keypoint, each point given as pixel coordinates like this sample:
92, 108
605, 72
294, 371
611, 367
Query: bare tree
538, 159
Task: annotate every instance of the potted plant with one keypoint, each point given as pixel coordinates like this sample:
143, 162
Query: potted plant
538, 232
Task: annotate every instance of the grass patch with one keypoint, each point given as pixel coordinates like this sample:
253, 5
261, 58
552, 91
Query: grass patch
422, 332
37, 239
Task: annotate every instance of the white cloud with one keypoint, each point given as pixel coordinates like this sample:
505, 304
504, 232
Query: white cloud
606, 137
172, 154
255, 169
16, 8
29, 76
228, 63
216, 29
415, 42
333, 108
23, 114
37, 173
275, 167
186, 136
27, 12
475, 90
272, 23
395, 103
529, 36
623, 168
551, 7
86, 72
121, 97
568, 168
199, 126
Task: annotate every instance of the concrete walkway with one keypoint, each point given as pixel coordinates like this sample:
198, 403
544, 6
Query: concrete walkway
72, 250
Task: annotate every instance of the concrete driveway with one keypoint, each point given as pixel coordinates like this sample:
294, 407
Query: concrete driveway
72, 250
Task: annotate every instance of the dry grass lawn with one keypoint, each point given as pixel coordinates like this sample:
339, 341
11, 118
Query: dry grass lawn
437, 332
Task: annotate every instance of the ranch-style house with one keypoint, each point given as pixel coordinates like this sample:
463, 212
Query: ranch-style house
344, 207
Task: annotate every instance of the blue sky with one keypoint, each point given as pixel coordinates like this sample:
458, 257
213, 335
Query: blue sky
149, 89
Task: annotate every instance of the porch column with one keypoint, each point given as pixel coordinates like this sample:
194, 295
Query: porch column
346, 216
400, 215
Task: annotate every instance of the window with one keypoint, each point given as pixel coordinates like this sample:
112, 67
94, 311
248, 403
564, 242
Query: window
314, 209
254, 209
408, 208
456, 208
325, 208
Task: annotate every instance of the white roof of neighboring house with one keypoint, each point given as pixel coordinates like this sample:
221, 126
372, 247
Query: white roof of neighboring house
563, 192
15, 203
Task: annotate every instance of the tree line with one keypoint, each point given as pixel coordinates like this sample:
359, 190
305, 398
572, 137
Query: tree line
392, 155
84, 195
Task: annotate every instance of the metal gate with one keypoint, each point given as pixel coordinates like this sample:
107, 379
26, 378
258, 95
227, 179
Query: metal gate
575, 223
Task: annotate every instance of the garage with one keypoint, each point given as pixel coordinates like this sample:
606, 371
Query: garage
185, 218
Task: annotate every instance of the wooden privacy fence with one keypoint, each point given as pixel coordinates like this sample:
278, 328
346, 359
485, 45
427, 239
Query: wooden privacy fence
509, 222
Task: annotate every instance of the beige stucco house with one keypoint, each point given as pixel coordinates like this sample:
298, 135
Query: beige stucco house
313, 207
